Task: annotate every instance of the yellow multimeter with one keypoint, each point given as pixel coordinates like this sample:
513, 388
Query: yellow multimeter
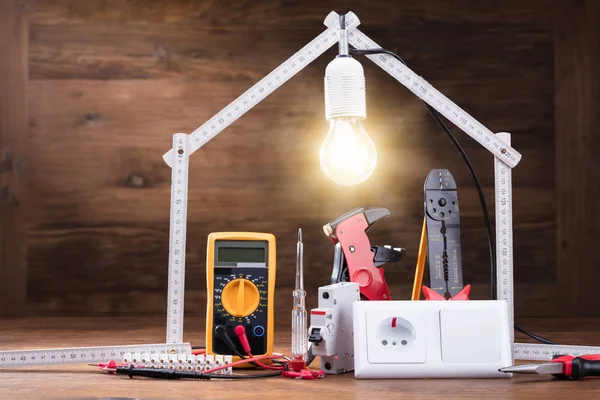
240, 280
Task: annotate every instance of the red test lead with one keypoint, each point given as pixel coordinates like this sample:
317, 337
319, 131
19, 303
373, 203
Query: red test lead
240, 331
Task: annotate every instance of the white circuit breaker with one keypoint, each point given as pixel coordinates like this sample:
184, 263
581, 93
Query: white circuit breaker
330, 329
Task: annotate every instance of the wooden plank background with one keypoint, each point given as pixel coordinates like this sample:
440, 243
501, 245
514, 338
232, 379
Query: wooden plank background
13, 157
111, 81
577, 147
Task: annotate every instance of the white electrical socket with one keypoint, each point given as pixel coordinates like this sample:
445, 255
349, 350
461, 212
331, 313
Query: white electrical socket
431, 339
396, 337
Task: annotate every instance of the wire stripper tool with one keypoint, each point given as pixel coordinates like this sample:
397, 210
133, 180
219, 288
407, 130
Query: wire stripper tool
355, 260
443, 238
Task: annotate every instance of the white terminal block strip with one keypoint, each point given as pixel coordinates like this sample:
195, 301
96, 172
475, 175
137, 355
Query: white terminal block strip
431, 339
330, 329
181, 362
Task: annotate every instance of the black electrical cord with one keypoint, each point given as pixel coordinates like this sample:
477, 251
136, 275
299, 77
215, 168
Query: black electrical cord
254, 376
488, 226
533, 335
241, 376
220, 331
132, 371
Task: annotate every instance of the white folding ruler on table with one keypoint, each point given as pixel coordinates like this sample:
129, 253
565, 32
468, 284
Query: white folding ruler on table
82, 355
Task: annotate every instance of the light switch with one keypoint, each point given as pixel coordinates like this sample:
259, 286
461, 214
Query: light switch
471, 336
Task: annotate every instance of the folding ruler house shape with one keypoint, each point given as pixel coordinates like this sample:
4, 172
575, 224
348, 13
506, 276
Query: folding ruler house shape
184, 145
505, 158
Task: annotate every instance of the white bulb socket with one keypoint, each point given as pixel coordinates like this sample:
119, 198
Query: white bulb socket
345, 94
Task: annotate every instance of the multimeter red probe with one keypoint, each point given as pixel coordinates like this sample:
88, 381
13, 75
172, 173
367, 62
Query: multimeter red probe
240, 331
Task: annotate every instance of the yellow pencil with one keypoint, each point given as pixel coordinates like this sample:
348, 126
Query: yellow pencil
416, 293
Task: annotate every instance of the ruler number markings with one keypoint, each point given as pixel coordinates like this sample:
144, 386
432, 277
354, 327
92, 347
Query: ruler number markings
262, 89
544, 352
428, 93
177, 237
16, 358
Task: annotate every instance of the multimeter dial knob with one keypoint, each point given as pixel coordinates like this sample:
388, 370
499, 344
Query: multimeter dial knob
240, 297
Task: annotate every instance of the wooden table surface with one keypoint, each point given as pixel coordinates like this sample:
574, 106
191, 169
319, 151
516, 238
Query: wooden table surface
84, 382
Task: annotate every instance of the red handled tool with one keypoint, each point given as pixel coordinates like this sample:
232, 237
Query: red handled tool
355, 259
562, 367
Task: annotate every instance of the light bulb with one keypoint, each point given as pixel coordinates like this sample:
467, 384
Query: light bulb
348, 155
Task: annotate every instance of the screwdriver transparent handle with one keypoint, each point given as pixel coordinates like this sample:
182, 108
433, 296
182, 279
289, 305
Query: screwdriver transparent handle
299, 329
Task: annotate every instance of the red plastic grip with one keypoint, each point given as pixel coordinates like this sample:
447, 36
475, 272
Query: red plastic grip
240, 331
463, 294
567, 361
351, 234
432, 295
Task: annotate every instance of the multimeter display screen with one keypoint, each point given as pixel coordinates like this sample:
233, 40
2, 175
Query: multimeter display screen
241, 254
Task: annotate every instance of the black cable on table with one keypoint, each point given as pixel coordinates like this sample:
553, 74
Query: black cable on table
132, 371
220, 331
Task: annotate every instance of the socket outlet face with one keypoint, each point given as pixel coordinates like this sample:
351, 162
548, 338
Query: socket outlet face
396, 334
433, 339
396, 339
